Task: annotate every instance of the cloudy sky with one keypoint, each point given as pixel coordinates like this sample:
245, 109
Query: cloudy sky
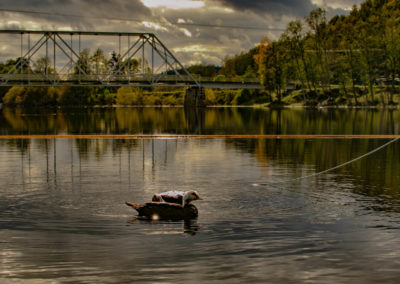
196, 31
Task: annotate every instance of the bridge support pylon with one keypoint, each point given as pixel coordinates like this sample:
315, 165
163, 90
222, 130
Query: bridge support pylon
195, 97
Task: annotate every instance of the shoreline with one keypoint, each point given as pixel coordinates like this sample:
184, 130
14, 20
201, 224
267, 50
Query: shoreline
293, 106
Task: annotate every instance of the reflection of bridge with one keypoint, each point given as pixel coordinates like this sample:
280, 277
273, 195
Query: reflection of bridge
61, 58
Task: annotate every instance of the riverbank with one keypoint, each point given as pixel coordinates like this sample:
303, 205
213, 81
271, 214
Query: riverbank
129, 96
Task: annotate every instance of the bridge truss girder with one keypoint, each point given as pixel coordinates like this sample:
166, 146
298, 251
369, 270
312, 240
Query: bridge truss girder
157, 66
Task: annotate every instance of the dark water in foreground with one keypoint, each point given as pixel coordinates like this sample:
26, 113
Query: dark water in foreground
63, 218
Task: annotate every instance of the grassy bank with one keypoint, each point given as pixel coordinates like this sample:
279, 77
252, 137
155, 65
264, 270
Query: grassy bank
336, 96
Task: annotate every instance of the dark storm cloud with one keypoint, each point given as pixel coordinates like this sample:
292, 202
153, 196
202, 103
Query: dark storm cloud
297, 8
65, 10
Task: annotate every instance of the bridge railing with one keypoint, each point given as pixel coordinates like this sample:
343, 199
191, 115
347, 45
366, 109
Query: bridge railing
107, 79
227, 80
99, 78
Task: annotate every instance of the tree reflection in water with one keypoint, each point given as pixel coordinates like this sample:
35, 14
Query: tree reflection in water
317, 154
175, 120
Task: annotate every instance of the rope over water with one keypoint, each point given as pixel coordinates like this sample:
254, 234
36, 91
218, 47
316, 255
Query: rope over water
331, 169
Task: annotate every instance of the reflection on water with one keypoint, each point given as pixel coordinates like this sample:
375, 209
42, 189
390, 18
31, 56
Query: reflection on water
63, 217
199, 121
189, 227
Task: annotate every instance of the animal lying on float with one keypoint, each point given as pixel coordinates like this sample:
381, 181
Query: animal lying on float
170, 205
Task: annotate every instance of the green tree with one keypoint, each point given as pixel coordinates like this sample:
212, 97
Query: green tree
43, 66
391, 44
98, 62
319, 41
83, 64
294, 42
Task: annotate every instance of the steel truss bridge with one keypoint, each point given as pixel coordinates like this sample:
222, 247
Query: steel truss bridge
61, 58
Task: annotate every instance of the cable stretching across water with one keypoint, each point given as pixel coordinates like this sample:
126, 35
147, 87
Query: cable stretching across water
331, 169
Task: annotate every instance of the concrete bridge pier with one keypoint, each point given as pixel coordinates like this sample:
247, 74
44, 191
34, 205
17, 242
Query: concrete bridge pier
195, 97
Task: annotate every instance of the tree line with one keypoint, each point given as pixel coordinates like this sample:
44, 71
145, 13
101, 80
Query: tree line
348, 60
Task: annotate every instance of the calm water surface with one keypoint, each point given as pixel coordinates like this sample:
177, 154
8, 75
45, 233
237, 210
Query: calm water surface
63, 218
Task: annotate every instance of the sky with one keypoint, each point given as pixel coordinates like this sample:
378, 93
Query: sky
198, 31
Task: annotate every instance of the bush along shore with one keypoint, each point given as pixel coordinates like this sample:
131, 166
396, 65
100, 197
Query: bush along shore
128, 96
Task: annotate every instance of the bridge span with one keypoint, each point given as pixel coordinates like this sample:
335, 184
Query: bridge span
63, 58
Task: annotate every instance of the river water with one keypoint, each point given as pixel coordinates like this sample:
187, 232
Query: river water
63, 218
